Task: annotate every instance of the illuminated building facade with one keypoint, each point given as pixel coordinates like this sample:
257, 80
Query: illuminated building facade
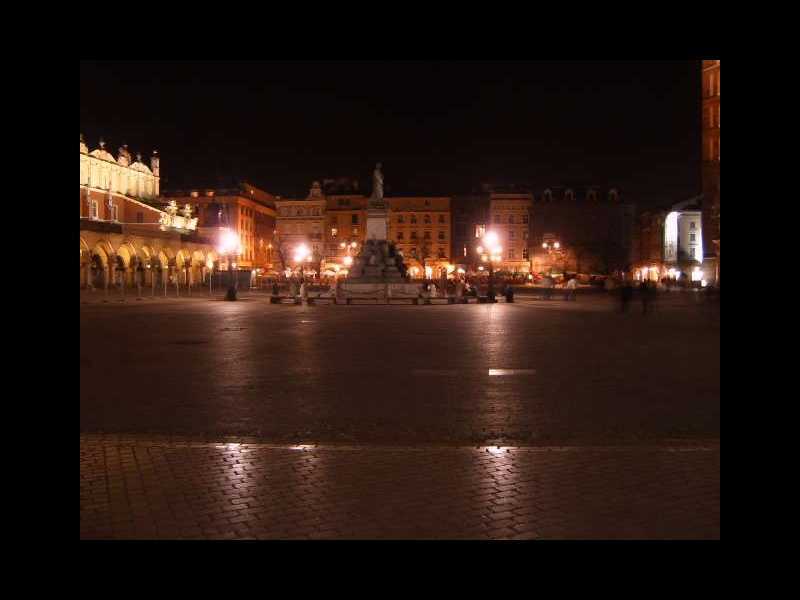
126, 239
301, 223
241, 207
510, 216
420, 227
669, 243
711, 154
331, 223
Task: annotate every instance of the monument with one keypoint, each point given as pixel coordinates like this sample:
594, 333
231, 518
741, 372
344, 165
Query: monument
378, 271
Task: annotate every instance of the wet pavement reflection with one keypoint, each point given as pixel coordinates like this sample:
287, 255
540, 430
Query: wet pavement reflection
138, 488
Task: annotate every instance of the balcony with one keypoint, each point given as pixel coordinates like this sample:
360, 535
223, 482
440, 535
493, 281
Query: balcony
100, 226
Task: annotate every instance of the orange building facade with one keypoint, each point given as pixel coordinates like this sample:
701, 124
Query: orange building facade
711, 154
245, 209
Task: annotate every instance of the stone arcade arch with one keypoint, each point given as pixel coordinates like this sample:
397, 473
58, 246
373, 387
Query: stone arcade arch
100, 275
198, 270
86, 263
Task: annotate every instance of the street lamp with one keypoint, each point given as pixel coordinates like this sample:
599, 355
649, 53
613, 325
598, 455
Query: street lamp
302, 254
491, 254
230, 247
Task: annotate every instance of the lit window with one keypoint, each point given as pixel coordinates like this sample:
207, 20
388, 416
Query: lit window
114, 213
480, 230
355, 230
93, 209
334, 232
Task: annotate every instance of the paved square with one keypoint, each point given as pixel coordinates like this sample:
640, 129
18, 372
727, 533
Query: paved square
613, 420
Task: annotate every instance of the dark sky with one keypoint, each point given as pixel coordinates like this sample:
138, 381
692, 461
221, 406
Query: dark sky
438, 127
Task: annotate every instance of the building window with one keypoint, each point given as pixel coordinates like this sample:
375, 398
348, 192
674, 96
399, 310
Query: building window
465, 250
525, 219
427, 202
139, 217
413, 219
93, 209
480, 230
413, 235
355, 230
512, 234
692, 237
334, 232
427, 235
414, 252
511, 254
400, 219
692, 225
691, 252
114, 213
441, 252
441, 219
525, 252
427, 219
344, 201
354, 219
399, 235
510, 219
441, 235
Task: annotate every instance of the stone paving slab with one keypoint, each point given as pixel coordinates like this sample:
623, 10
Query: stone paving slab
134, 487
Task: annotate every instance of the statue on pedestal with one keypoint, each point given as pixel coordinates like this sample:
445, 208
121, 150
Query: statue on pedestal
376, 200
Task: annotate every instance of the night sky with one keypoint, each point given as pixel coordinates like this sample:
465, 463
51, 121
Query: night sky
438, 127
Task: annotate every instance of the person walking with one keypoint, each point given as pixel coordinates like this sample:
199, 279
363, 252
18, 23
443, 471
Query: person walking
644, 295
572, 285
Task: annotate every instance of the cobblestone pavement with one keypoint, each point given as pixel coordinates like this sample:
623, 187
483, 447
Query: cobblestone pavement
193, 411
534, 372
135, 487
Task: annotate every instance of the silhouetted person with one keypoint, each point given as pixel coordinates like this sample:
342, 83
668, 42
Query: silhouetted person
644, 294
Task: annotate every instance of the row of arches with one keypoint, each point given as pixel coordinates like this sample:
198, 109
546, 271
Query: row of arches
131, 265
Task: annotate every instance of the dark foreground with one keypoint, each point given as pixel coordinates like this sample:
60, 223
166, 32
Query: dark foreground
613, 419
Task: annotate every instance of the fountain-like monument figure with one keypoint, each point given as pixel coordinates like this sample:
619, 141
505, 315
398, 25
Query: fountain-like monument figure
378, 261
378, 271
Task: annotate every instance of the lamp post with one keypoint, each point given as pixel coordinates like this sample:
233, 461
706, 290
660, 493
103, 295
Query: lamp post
231, 247
302, 255
552, 248
490, 254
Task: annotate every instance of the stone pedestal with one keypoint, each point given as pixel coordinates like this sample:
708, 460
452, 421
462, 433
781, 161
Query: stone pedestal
377, 219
